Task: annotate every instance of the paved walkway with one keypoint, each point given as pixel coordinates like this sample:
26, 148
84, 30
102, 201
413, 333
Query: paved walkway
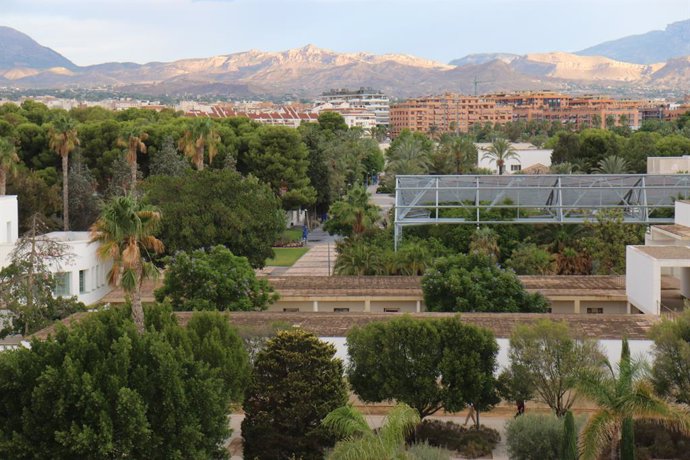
320, 259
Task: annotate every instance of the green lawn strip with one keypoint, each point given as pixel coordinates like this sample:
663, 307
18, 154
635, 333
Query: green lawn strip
286, 257
292, 234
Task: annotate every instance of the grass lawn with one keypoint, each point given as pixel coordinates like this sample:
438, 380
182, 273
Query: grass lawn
286, 257
292, 234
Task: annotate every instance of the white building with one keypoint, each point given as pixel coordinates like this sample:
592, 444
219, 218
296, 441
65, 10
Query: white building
369, 99
527, 156
666, 252
668, 165
354, 117
82, 275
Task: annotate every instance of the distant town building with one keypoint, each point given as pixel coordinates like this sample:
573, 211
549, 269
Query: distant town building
668, 165
354, 117
529, 159
280, 116
368, 99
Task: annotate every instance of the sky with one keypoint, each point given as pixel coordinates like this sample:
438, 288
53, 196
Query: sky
97, 31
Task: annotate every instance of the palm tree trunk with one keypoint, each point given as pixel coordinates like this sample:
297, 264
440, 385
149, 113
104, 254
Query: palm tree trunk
65, 192
3, 181
133, 171
199, 158
137, 309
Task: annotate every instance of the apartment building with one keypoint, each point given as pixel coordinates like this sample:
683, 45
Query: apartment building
446, 113
281, 116
368, 99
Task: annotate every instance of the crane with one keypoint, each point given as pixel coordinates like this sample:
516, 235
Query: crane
476, 82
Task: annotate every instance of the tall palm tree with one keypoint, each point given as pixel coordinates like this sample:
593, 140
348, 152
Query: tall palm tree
134, 143
63, 140
623, 396
356, 258
360, 442
498, 152
200, 136
8, 162
126, 231
612, 164
409, 158
461, 151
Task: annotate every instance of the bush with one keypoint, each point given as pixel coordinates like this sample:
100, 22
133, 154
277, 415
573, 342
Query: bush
471, 443
534, 437
654, 441
425, 451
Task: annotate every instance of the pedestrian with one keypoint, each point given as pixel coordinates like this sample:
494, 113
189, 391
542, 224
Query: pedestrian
471, 414
305, 233
520, 408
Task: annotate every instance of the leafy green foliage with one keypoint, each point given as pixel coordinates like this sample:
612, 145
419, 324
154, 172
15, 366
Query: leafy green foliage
529, 259
101, 390
569, 446
470, 443
608, 240
212, 207
427, 364
535, 437
296, 382
213, 280
476, 283
671, 369
550, 360
353, 215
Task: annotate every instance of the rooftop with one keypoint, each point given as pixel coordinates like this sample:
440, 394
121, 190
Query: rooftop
681, 231
69, 236
666, 252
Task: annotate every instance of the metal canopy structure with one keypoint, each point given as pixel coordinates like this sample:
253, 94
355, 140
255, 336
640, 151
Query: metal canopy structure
535, 199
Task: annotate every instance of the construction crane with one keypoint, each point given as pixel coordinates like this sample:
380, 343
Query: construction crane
477, 82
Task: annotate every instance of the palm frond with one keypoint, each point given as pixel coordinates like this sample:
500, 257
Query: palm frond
347, 422
597, 434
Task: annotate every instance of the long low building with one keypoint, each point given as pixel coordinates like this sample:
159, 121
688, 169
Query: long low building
394, 294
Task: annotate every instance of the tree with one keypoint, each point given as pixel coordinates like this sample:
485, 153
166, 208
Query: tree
461, 152
529, 259
360, 442
215, 207
484, 242
63, 140
353, 215
167, 161
213, 280
609, 237
621, 397
408, 154
671, 369
332, 121
550, 359
101, 390
36, 196
357, 258
296, 382
567, 148
612, 164
199, 137
475, 283
27, 283
125, 231
84, 202
277, 156
8, 162
499, 152
427, 364
133, 142
569, 448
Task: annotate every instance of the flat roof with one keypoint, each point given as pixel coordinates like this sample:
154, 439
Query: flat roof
323, 324
682, 231
665, 252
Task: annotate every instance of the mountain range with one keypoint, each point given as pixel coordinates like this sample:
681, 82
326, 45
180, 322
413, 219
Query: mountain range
308, 71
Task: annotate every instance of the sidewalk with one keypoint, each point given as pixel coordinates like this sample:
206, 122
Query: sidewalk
320, 259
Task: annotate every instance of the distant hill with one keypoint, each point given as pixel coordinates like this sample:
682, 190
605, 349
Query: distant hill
649, 48
18, 50
483, 58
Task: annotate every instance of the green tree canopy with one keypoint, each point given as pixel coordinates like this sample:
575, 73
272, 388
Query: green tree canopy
213, 280
427, 364
476, 283
212, 207
671, 370
353, 215
296, 382
101, 390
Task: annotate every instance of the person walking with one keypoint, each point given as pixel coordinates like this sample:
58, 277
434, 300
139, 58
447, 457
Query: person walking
471, 414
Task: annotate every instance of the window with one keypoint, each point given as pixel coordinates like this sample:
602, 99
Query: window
82, 281
341, 310
290, 310
595, 311
516, 167
391, 310
62, 285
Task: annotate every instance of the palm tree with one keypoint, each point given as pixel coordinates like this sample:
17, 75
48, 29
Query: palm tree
356, 258
498, 152
200, 135
63, 140
409, 157
354, 214
360, 442
461, 150
613, 164
8, 162
134, 143
126, 231
412, 259
623, 396
484, 241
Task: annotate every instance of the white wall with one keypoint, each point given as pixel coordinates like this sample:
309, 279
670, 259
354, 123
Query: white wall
668, 165
682, 214
642, 281
526, 158
9, 227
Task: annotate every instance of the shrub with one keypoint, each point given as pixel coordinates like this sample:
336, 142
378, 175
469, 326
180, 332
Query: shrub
534, 437
425, 451
654, 441
471, 443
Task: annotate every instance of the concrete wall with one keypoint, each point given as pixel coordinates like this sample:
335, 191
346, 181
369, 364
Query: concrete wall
84, 259
668, 165
562, 306
9, 227
403, 306
642, 281
610, 307
682, 213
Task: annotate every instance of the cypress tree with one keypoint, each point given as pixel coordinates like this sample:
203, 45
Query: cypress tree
627, 429
569, 447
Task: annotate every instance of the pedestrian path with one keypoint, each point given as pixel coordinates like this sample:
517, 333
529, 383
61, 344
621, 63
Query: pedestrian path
320, 259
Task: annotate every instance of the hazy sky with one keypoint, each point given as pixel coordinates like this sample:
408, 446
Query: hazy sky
95, 31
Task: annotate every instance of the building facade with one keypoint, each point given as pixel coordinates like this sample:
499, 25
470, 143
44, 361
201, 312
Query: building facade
368, 99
